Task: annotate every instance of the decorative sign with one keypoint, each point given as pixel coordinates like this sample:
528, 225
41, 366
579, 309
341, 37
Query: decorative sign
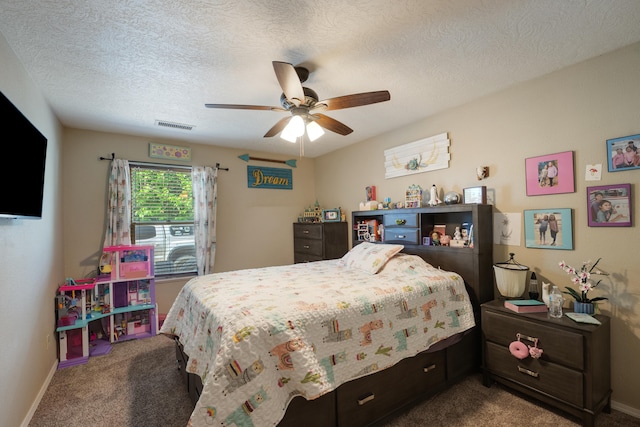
416, 157
163, 151
261, 177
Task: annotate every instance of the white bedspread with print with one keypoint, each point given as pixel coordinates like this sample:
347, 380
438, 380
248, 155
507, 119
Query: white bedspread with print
260, 337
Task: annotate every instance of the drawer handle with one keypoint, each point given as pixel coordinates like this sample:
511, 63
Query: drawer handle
306, 246
429, 368
401, 236
401, 221
364, 400
305, 231
528, 372
532, 339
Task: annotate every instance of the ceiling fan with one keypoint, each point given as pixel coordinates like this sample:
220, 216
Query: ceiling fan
305, 107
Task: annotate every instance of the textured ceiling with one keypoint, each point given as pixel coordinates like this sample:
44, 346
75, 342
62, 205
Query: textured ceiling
122, 65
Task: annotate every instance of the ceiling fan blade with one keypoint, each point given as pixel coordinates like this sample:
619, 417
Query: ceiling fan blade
289, 82
277, 128
332, 124
349, 101
244, 107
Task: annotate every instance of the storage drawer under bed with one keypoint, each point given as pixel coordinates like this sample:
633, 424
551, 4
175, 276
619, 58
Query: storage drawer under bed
368, 399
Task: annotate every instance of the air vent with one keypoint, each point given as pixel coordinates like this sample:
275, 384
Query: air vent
173, 125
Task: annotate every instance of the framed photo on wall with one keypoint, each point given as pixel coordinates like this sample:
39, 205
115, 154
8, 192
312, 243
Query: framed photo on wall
609, 205
623, 153
548, 228
550, 174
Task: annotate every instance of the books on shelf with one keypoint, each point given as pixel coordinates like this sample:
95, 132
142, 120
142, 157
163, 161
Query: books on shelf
526, 306
583, 318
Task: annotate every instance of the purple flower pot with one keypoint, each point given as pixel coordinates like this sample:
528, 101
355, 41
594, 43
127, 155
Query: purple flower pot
583, 307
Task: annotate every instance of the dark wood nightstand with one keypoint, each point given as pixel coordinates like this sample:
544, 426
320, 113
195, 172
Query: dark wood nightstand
574, 372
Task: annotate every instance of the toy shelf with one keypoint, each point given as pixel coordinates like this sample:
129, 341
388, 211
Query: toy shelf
121, 304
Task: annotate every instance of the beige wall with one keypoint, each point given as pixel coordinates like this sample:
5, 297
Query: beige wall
254, 225
31, 259
575, 109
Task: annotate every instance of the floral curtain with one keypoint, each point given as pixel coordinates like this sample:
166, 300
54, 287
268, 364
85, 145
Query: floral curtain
205, 200
119, 205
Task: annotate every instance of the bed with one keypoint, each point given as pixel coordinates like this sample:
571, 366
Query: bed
337, 342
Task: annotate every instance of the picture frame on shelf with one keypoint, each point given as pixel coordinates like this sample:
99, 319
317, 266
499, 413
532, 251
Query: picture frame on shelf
331, 215
550, 174
541, 233
477, 195
440, 228
371, 193
619, 158
616, 213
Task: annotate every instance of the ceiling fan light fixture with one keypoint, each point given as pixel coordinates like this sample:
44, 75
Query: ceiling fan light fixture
314, 131
288, 135
293, 130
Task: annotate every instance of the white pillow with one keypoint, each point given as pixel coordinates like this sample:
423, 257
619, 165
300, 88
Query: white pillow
370, 257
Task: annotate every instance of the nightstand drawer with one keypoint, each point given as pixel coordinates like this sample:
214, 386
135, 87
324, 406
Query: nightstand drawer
564, 383
307, 231
560, 346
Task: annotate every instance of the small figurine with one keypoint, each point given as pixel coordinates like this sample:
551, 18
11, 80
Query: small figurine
435, 238
433, 196
445, 240
457, 235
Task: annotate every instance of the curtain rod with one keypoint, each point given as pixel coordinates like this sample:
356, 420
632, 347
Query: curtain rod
113, 156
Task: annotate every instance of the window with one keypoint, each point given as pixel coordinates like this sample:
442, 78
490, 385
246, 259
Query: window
162, 216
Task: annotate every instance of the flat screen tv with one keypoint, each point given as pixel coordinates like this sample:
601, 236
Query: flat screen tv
24, 151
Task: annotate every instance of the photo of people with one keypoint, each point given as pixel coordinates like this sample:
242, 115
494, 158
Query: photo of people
548, 173
624, 153
548, 228
609, 205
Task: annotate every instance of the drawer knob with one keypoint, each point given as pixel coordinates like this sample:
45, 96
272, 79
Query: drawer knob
364, 400
401, 221
528, 372
429, 368
401, 236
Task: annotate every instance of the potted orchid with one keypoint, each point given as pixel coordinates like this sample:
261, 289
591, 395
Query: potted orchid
582, 279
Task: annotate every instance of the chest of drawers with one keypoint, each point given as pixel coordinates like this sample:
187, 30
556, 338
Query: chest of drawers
319, 241
573, 373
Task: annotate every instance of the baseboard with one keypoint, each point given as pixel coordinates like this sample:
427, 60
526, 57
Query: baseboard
43, 389
625, 409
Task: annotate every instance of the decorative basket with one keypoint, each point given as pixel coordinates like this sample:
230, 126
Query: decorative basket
511, 277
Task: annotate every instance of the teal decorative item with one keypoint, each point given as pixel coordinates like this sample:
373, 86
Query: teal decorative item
275, 178
247, 157
584, 307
